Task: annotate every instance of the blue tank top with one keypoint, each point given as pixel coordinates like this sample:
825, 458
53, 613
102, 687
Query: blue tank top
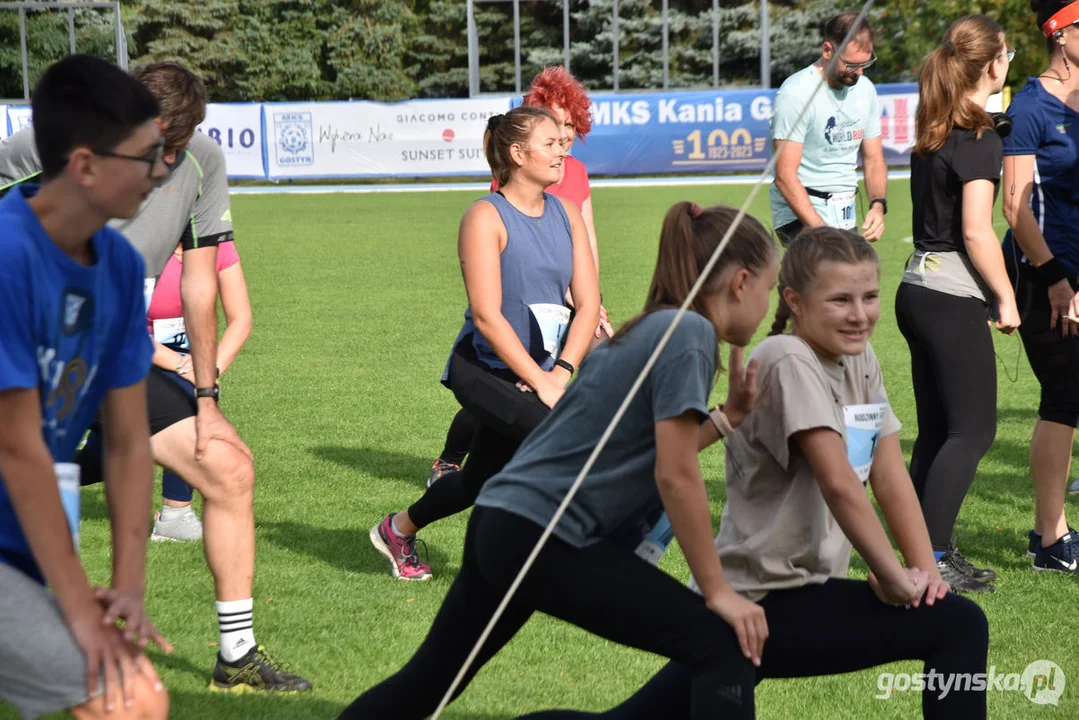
536, 268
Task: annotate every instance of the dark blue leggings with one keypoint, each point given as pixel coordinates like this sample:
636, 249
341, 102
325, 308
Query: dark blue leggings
834, 628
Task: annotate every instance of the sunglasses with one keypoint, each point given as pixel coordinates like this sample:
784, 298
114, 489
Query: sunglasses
150, 158
862, 65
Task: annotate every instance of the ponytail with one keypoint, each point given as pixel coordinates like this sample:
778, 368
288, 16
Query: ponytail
783, 315
948, 75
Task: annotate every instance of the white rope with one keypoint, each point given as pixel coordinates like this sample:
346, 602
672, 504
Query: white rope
705, 272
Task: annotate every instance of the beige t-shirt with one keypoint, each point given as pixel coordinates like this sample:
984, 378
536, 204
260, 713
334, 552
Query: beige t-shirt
776, 530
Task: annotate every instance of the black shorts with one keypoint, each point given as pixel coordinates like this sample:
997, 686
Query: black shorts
1053, 358
786, 233
169, 399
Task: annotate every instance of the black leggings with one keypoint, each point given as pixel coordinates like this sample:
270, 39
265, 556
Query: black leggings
954, 370
604, 589
458, 438
834, 628
504, 418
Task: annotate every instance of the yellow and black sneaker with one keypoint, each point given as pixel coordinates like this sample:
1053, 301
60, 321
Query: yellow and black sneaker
256, 672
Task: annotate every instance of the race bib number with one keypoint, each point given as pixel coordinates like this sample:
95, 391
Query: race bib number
553, 321
841, 208
148, 286
171, 332
864, 423
67, 475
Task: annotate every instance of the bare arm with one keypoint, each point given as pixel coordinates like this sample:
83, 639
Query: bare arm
685, 498
198, 294
899, 503
167, 358
788, 184
237, 307
876, 184
983, 248
129, 481
1018, 185
27, 469
479, 245
584, 286
590, 225
847, 499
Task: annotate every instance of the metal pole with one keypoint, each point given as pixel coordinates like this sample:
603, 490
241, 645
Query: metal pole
71, 30
25, 59
121, 60
517, 45
473, 54
715, 43
614, 36
766, 50
666, 30
565, 33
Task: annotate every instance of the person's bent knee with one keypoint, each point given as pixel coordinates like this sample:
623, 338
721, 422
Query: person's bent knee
230, 472
149, 704
964, 622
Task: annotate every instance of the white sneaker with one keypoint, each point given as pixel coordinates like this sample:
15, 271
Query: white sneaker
185, 527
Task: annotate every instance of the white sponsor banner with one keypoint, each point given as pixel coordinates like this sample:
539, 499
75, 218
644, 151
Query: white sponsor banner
18, 117
237, 128
3, 122
897, 118
358, 139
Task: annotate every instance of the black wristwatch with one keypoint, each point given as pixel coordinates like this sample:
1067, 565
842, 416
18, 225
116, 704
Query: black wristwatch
883, 204
211, 392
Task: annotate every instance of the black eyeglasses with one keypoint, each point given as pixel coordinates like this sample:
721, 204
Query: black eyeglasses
862, 65
151, 158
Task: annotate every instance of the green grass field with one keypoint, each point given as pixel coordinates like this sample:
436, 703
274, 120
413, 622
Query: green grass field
357, 300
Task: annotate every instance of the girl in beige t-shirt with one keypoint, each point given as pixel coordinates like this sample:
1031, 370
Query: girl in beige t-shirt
797, 469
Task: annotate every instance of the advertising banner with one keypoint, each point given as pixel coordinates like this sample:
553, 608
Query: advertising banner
237, 128
366, 139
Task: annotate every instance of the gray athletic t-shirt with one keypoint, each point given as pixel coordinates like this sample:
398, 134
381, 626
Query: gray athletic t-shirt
620, 491
190, 206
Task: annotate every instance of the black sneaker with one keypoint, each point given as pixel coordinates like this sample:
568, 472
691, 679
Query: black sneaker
1061, 556
959, 581
440, 468
1034, 541
256, 672
964, 566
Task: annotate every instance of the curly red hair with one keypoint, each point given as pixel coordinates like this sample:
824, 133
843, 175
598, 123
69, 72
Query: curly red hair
555, 86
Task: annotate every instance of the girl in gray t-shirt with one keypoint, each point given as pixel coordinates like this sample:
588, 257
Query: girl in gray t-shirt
797, 471
588, 573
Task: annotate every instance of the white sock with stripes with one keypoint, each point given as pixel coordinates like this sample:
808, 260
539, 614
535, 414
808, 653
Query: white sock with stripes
234, 620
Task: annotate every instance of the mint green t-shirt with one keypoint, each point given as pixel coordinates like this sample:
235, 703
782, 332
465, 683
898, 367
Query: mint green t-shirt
831, 134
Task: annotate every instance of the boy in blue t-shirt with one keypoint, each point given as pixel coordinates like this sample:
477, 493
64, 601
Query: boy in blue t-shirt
73, 336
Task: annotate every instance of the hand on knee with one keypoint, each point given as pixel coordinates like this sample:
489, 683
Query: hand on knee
148, 704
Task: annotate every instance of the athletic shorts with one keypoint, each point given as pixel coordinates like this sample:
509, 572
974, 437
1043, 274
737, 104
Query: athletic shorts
1053, 358
42, 668
169, 399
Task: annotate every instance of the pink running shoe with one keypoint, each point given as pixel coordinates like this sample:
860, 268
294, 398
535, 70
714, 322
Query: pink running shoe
400, 550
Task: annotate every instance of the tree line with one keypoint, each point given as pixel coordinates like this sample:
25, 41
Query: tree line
274, 50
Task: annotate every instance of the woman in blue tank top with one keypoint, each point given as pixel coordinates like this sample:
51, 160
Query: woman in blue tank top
520, 249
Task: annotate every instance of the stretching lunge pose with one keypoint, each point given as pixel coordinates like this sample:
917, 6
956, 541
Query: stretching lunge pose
521, 249
797, 470
587, 573
555, 90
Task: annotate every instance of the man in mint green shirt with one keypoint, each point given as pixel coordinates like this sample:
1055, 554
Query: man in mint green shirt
816, 176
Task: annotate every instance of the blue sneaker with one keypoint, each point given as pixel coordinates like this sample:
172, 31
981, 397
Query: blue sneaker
1058, 557
1034, 541
1073, 489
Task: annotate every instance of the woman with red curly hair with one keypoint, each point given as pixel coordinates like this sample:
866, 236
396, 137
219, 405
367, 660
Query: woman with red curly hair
559, 92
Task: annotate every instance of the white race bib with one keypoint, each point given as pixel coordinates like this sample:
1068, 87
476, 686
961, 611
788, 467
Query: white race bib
864, 423
67, 475
553, 321
170, 332
841, 209
148, 286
